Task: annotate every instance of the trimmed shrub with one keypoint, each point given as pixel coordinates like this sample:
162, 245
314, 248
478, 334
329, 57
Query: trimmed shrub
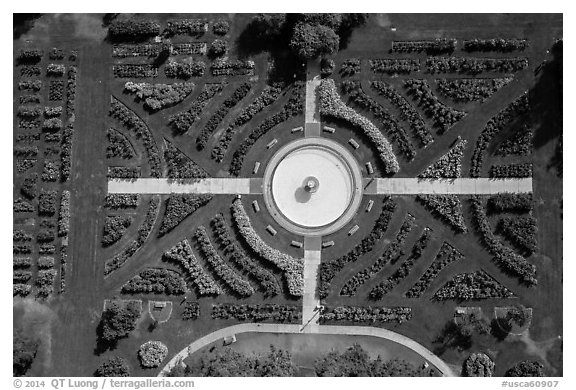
113, 367
114, 228
180, 206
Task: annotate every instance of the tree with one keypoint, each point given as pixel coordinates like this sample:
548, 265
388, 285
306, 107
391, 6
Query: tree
277, 363
479, 365
23, 352
115, 367
526, 368
311, 41
117, 321
352, 362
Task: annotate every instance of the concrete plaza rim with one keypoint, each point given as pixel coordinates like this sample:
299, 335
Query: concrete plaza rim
352, 166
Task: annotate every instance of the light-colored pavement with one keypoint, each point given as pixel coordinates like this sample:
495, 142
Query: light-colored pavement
461, 186
312, 114
310, 301
186, 186
323, 329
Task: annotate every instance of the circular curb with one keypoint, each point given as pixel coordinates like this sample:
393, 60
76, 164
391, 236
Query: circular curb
351, 164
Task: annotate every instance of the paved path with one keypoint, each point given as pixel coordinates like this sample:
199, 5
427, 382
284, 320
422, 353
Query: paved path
323, 329
461, 186
188, 186
312, 254
312, 114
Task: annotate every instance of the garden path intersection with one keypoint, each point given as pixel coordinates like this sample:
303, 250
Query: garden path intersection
351, 183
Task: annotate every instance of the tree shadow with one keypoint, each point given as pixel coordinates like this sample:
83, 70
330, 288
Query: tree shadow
452, 337
500, 328
22, 23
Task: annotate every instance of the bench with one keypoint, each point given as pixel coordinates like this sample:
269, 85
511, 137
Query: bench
296, 244
255, 205
271, 143
297, 129
353, 230
353, 142
327, 244
369, 168
271, 230
330, 130
256, 167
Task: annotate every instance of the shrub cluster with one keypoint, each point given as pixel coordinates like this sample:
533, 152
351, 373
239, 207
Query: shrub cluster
504, 257
47, 202
52, 111
194, 27
121, 201
45, 262
393, 251
293, 268
52, 124
47, 249
30, 186
443, 116
225, 67
190, 48
445, 256
22, 262
218, 48
366, 314
312, 40
30, 99
327, 66
221, 27
180, 206
23, 249
56, 54
256, 312
361, 99
45, 282
21, 290
71, 92
231, 278
27, 111
265, 99
159, 96
123, 172
22, 206
446, 207
518, 145
495, 44
28, 138
114, 228
181, 166
130, 29
182, 255
45, 235
518, 107
28, 123
185, 69
64, 214
350, 67
237, 255
155, 281
470, 90
294, 107
328, 269
432, 47
134, 123
511, 170
118, 320
50, 171
191, 311
152, 353
56, 90
21, 235
210, 126
30, 55
395, 65
33, 85
475, 65
113, 367
134, 71
521, 231
182, 121
474, 285
66, 153
118, 145
403, 271
516, 203
21, 276
449, 165
30, 71
478, 365
526, 368
144, 230
55, 70
137, 50
332, 106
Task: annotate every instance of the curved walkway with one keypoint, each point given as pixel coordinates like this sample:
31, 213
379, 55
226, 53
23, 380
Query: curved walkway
322, 329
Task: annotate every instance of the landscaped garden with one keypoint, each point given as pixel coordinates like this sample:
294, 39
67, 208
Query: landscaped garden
134, 277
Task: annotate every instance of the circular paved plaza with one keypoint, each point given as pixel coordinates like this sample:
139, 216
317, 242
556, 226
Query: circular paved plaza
313, 186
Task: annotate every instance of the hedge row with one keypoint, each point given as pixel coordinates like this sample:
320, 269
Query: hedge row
137, 50
328, 269
180, 206
495, 125
445, 256
191, 311
71, 92
517, 203
470, 90
134, 71
495, 44
50, 171
225, 67
123, 172
520, 144
155, 281
349, 67
131, 29
256, 312
403, 271
332, 106
134, 123
294, 107
118, 145
182, 121
210, 126
64, 214
446, 207
407, 112
185, 69
431, 47
182, 255
121, 201
395, 65
144, 230
56, 90
521, 231
181, 166
226, 273
475, 65
511, 170
474, 285
293, 268
393, 251
504, 257
366, 314
192, 27
265, 278
266, 98
47, 202
444, 117
449, 166
159, 96
114, 228
358, 97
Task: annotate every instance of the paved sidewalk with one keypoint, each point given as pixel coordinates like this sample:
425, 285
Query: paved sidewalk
187, 186
322, 329
312, 114
461, 186
312, 254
